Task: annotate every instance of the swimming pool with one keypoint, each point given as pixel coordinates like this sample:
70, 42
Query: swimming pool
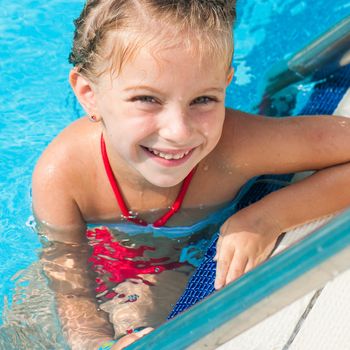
36, 102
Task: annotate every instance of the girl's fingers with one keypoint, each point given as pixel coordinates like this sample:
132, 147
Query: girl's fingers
250, 265
219, 243
129, 339
223, 264
125, 341
237, 267
144, 332
218, 246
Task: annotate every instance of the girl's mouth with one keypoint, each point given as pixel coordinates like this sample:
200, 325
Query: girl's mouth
168, 157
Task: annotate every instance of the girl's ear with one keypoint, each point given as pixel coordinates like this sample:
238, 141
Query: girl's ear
84, 91
229, 76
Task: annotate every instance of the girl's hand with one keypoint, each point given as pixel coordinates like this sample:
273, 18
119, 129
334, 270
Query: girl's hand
130, 338
241, 247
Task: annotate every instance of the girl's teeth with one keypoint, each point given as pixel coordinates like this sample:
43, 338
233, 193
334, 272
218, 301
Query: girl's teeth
168, 156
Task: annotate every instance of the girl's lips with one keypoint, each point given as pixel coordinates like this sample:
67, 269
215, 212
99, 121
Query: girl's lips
168, 157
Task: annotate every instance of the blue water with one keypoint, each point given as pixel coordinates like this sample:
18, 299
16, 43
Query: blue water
36, 101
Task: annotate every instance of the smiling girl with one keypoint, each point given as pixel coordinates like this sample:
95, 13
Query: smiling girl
157, 149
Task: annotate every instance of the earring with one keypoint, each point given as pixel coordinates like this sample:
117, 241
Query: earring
93, 118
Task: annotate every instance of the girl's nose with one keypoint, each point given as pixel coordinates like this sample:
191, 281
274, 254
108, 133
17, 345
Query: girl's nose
175, 126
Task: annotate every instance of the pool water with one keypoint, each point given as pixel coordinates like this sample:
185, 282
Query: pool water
36, 103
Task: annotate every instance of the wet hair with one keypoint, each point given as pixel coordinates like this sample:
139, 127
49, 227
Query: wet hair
109, 32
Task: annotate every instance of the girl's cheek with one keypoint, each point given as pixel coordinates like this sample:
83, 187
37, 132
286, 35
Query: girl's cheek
211, 123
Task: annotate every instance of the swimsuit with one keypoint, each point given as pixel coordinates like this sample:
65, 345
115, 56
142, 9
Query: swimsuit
135, 261
125, 211
119, 260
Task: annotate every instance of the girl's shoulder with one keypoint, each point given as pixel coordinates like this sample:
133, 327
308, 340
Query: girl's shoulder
239, 139
244, 125
70, 153
57, 181
248, 140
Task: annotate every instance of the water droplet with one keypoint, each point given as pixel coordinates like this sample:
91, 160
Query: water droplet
133, 297
133, 214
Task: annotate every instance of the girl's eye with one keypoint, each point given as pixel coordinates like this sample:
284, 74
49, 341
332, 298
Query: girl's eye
144, 99
204, 100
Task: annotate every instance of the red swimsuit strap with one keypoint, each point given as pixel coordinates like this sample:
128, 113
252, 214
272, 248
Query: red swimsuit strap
124, 209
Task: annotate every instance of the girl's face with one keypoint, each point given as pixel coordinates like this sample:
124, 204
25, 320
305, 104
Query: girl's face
163, 113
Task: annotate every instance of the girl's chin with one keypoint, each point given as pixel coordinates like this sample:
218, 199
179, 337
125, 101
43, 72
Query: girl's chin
164, 178
164, 181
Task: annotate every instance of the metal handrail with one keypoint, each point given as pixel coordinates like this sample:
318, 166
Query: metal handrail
331, 50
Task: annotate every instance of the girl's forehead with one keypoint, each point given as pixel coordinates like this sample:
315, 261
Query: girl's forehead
164, 44
166, 59
167, 64
155, 55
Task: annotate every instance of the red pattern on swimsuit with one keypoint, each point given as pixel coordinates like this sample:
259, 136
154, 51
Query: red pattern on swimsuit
110, 258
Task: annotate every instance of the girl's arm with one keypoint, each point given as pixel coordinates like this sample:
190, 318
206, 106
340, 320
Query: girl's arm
249, 236
264, 145
84, 325
65, 265
65, 254
303, 143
